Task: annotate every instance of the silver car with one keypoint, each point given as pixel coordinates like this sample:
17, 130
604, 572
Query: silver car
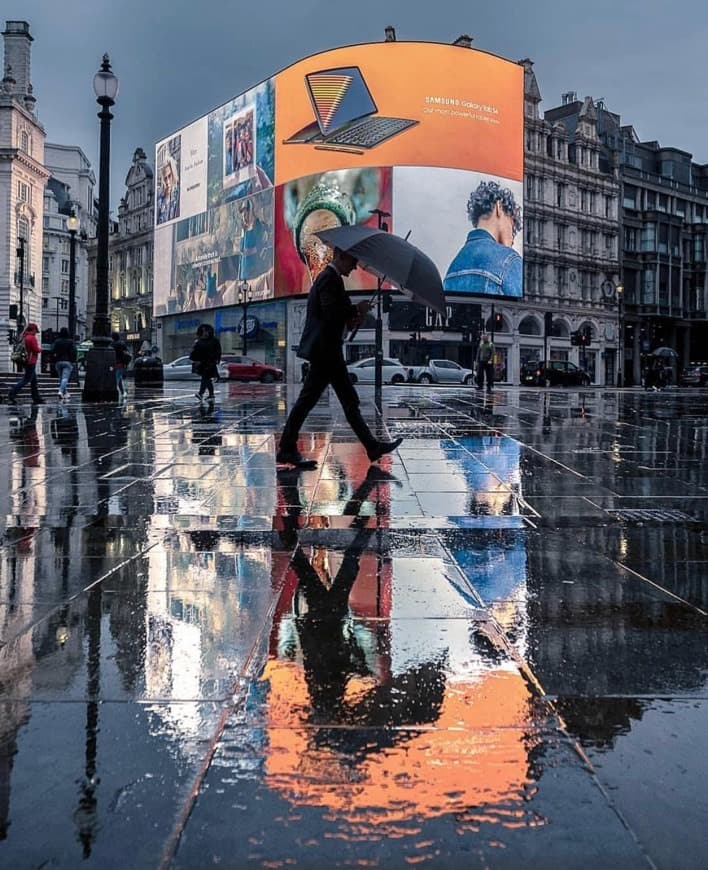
442, 371
363, 371
180, 369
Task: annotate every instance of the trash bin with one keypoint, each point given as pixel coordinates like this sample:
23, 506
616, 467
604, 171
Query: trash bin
148, 372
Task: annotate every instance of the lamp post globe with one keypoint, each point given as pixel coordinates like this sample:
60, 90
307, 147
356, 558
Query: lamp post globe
100, 384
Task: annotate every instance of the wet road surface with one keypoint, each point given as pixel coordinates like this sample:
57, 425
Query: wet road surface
490, 650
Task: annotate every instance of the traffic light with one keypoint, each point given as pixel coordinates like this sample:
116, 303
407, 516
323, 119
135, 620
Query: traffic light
585, 338
498, 321
548, 322
386, 302
575, 339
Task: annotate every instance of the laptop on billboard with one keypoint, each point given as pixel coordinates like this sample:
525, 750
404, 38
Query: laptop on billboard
345, 112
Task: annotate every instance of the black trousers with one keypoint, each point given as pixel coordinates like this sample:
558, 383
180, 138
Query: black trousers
485, 370
321, 374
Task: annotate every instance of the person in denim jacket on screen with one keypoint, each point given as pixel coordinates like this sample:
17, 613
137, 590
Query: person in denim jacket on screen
487, 263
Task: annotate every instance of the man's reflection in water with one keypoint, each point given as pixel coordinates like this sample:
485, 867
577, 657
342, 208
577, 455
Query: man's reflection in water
337, 648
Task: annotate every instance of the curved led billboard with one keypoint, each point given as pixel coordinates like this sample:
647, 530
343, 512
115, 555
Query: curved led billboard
430, 134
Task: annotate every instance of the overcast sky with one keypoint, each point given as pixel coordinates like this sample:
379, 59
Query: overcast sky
177, 60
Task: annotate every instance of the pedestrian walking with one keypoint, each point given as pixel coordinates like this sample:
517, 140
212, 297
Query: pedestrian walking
485, 363
64, 358
329, 311
29, 375
123, 359
206, 356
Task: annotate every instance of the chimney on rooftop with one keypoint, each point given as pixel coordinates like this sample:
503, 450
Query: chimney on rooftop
390, 34
463, 41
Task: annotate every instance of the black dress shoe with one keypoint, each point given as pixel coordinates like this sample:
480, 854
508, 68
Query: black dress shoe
381, 448
294, 457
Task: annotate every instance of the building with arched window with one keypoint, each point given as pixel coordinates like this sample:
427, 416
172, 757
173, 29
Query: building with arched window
22, 183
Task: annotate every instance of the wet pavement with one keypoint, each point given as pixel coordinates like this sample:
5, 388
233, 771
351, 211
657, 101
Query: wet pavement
491, 650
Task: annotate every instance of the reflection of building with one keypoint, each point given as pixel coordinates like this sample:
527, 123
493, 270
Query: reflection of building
131, 257
70, 189
21, 183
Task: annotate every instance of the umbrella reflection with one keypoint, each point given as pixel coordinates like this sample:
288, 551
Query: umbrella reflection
367, 722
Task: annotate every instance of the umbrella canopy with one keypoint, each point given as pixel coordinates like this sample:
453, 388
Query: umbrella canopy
391, 257
665, 351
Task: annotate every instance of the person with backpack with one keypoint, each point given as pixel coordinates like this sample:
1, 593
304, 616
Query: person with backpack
206, 356
64, 358
122, 359
28, 342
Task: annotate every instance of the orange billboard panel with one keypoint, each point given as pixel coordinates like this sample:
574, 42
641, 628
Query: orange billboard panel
398, 104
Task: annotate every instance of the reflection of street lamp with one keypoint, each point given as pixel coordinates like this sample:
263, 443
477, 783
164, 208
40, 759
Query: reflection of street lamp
72, 223
620, 335
100, 383
245, 295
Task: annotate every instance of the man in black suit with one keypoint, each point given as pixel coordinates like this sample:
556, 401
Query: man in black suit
329, 312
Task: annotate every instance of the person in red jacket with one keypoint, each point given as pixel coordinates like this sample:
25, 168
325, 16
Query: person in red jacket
29, 376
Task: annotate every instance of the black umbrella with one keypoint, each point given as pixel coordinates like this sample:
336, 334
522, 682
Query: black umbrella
388, 256
665, 351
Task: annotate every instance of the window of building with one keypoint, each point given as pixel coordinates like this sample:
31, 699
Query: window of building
45, 264
24, 141
650, 198
583, 199
663, 239
530, 326
630, 239
45, 283
65, 285
663, 202
675, 241
562, 279
540, 188
609, 211
560, 194
609, 243
648, 237
561, 236
24, 192
648, 287
139, 256
560, 150
699, 249
680, 206
630, 197
65, 267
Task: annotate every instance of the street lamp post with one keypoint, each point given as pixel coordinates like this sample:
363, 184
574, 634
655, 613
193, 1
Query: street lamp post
72, 223
620, 336
378, 334
100, 383
21, 258
245, 295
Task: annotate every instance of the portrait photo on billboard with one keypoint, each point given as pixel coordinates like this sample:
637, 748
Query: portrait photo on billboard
168, 163
215, 253
468, 223
241, 152
402, 103
319, 202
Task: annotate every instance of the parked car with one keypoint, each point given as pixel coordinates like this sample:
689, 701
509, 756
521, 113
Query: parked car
244, 368
364, 371
180, 369
441, 371
556, 373
695, 375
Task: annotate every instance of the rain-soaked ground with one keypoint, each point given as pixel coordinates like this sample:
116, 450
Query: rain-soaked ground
490, 651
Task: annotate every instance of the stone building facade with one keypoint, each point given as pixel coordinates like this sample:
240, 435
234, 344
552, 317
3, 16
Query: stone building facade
22, 180
571, 244
131, 252
69, 190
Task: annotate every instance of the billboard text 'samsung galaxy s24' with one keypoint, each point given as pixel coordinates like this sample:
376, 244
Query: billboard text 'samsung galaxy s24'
345, 113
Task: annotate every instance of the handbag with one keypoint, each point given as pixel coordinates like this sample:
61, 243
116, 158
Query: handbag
196, 368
